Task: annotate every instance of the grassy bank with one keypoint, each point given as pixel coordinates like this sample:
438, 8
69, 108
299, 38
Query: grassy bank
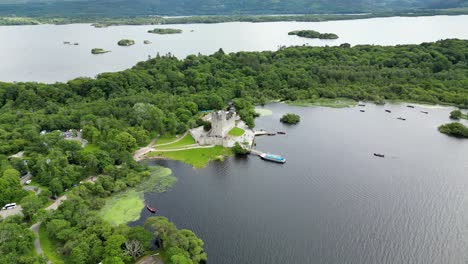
198, 157
49, 247
164, 139
126, 206
325, 102
183, 142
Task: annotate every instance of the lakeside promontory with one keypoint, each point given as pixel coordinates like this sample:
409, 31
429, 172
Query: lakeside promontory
313, 34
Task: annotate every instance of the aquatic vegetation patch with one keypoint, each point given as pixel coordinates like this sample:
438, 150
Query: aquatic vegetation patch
263, 111
126, 206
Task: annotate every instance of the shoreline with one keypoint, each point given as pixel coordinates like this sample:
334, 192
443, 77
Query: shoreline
216, 19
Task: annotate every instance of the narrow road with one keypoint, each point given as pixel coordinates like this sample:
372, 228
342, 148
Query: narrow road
57, 203
37, 243
36, 226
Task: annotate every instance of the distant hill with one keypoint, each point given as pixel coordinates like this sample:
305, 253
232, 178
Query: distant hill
114, 8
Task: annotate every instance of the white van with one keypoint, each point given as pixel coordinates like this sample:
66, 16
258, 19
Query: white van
9, 206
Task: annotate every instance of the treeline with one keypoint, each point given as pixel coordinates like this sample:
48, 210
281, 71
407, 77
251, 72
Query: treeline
106, 21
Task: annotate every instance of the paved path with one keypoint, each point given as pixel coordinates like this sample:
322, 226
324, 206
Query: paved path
37, 243
141, 152
184, 148
25, 178
36, 226
56, 203
32, 188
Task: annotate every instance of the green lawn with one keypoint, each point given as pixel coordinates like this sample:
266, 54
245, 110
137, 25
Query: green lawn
198, 157
237, 132
123, 207
185, 141
325, 102
49, 247
165, 139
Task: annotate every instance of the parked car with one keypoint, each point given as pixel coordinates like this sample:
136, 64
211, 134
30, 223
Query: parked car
9, 206
28, 182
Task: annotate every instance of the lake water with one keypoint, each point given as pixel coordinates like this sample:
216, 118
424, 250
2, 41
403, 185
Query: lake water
332, 201
36, 53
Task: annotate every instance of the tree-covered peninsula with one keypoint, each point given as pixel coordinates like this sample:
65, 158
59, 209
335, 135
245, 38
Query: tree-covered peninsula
454, 129
119, 112
126, 42
313, 34
165, 31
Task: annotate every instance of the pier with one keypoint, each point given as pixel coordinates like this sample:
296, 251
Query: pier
263, 133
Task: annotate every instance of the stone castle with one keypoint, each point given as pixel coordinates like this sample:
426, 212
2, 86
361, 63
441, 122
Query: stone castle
221, 123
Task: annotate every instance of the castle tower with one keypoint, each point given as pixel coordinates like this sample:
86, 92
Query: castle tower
221, 123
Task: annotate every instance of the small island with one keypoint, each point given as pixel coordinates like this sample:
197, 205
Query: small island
147, 42
313, 34
165, 31
99, 51
126, 42
290, 118
455, 130
457, 114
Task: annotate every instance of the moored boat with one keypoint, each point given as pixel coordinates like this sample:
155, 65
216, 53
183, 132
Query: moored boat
151, 209
379, 155
410, 106
401, 118
274, 158
362, 110
388, 111
281, 133
361, 105
424, 112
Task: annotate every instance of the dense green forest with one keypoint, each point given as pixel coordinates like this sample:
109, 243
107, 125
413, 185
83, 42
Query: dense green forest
114, 8
117, 112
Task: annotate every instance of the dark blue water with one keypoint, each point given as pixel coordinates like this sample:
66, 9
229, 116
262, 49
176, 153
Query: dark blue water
333, 201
